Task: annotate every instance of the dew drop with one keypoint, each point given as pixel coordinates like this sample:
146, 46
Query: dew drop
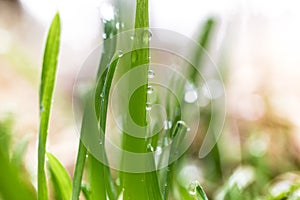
151, 73
42, 109
87, 155
150, 147
190, 96
167, 124
118, 182
192, 187
101, 95
147, 35
104, 36
120, 53
149, 89
117, 25
132, 37
148, 106
158, 150
100, 142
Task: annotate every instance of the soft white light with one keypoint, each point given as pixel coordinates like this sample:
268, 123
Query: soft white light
107, 11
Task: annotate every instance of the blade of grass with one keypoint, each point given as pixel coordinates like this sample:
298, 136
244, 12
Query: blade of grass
78, 172
134, 184
100, 177
177, 137
46, 92
5, 135
200, 193
203, 41
60, 178
86, 191
100, 173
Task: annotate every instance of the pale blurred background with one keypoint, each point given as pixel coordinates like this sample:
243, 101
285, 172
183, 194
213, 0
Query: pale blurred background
257, 40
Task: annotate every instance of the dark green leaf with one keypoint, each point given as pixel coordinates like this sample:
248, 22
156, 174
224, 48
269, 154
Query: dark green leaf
60, 178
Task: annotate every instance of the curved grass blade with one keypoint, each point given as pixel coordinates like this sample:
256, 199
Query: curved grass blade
78, 172
100, 179
46, 91
200, 193
86, 191
60, 178
100, 173
203, 41
177, 136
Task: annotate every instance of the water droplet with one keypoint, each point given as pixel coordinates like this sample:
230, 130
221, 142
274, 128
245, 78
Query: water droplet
190, 96
147, 35
87, 155
149, 89
192, 187
167, 124
120, 53
117, 25
158, 150
118, 183
151, 73
100, 142
104, 36
42, 109
101, 95
132, 37
134, 56
150, 147
148, 106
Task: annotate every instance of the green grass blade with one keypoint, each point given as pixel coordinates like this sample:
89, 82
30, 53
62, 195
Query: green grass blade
96, 179
134, 184
111, 190
86, 191
60, 178
46, 91
78, 172
177, 136
203, 41
200, 193
100, 177
5, 135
